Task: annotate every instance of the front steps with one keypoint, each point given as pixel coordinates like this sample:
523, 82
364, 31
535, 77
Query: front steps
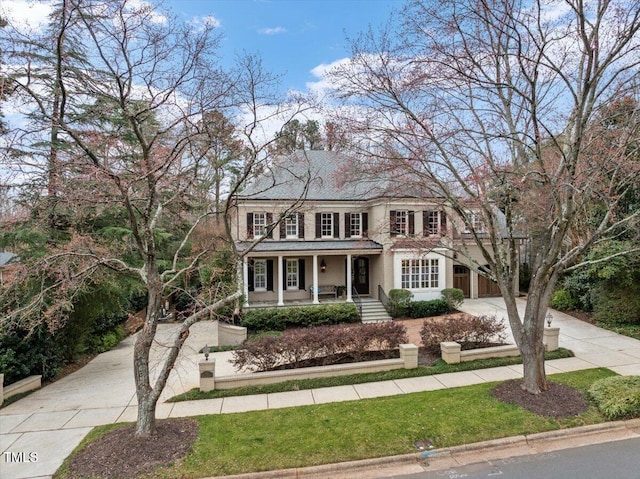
373, 311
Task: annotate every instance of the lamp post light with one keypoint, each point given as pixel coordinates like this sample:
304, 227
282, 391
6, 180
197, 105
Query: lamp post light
549, 318
206, 351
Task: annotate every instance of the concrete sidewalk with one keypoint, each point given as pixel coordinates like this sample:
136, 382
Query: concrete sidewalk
53, 420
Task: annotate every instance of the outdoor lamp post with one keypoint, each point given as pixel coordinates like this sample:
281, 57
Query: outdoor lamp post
549, 318
206, 350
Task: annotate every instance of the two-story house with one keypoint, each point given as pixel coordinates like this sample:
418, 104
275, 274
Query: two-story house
356, 235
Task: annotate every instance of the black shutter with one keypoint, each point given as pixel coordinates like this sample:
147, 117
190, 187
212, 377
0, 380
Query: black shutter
347, 225
425, 223
301, 225
249, 225
283, 228
365, 225
301, 273
318, 225
269, 275
284, 273
336, 225
269, 221
392, 223
412, 223
443, 223
250, 275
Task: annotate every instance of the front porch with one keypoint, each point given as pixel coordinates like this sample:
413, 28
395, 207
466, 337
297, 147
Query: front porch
279, 273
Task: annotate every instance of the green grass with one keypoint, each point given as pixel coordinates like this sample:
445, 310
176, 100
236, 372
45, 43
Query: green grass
298, 385
336, 432
631, 330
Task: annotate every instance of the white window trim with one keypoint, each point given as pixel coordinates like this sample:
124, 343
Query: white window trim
291, 221
441, 277
405, 230
322, 225
293, 262
351, 230
263, 262
438, 225
263, 224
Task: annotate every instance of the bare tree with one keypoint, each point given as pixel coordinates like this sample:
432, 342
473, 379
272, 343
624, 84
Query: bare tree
129, 129
486, 105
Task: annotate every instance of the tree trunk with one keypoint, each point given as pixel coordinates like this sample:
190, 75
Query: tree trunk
532, 350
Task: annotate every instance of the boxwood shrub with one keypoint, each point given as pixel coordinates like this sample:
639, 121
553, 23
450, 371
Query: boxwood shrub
424, 309
279, 319
617, 397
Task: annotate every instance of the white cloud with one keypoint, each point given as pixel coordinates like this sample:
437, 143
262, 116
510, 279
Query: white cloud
325, 83
272, 31
26, 14
206, 21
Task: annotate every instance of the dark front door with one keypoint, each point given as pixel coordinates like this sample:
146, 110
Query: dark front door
360, 274
462, 279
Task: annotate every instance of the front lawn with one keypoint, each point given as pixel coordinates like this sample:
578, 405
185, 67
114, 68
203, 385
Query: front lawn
336, 432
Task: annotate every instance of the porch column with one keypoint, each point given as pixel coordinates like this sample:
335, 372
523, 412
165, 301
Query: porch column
315, 279
349, 284
245, 280
280, 281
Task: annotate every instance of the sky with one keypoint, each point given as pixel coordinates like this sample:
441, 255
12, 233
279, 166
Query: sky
294, 37
297, 39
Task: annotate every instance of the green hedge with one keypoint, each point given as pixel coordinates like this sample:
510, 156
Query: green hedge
618, 397
424, 309
279, 319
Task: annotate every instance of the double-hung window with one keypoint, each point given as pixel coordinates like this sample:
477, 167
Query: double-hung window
259, 224
291, 274
402, 223
356, 224
291, 226
432, 219
400, 226
326, 225
260, 275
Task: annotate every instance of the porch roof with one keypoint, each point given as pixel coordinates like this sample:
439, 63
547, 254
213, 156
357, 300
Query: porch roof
337, 246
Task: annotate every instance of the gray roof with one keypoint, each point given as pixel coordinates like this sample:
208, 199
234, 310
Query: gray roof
328, 174
7, 258
267, 246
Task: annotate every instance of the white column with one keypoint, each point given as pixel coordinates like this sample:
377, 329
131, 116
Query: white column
245, 280
280, 280
349, 284
315, 279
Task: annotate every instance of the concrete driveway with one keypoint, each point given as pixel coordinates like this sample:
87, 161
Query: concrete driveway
52, 421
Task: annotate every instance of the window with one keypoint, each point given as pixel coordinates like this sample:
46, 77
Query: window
356, 224
291, 280
402, 223
420, 273
326, 225
259, 224
260, 275
477, 223
355, 227
291, 226
432, 222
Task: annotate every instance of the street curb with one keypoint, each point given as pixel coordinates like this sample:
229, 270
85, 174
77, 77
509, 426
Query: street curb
466, 452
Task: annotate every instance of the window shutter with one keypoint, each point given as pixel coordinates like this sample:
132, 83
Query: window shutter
284, 273
347, 225
250, 275
301, 225
412, 223
318, 225
269, 221
250, 225
269, 275
392, 223
443, 222
336, 225
301, 273
365, 225
283, 228
425, 223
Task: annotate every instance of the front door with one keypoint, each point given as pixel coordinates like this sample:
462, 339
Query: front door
360, 274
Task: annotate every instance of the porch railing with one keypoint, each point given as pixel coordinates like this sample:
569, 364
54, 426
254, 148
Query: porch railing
384, 299
357, 301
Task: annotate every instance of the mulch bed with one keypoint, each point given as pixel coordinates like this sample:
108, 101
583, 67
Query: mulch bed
120, 454
557, 402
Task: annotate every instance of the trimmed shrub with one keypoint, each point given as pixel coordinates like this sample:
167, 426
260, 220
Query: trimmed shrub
425, 309
454, 298
563, 301
469, 331
616, 306
399, 300
279, 319
617, 397
325, 344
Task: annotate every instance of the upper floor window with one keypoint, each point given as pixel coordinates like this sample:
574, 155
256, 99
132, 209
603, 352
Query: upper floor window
327, 225
291, 226
258, 225
434, 222
402, 223
477, 223
356, 224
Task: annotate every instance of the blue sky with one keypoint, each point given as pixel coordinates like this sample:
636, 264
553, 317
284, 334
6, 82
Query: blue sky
292, 36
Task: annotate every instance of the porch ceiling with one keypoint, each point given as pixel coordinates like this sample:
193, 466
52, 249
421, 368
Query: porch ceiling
361, 246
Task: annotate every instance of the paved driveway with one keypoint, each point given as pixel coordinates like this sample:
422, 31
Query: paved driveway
53, 420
